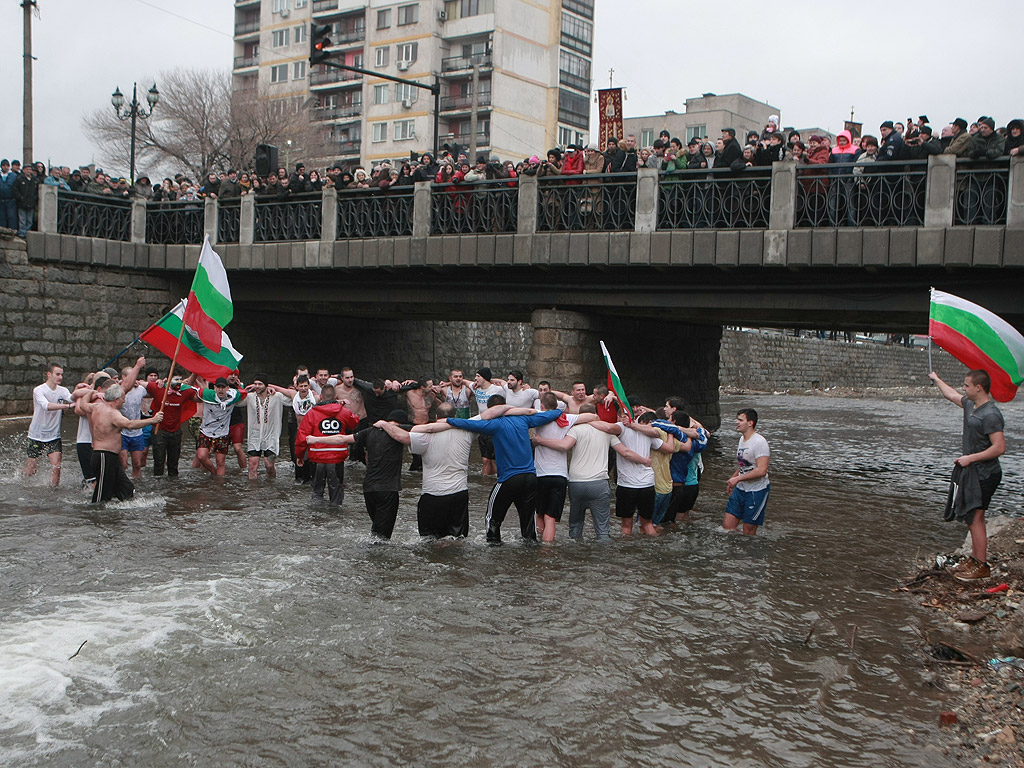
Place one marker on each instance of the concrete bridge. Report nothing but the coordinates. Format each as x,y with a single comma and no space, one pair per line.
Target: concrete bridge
651,280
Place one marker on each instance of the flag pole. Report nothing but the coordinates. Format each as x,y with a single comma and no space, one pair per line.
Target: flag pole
138,338
931,291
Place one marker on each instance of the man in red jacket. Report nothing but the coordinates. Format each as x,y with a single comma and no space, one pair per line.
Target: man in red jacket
329,417
178,407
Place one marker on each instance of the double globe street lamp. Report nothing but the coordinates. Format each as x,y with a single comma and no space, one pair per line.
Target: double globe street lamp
133,112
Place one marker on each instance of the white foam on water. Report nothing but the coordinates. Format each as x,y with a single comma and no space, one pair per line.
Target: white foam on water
50,699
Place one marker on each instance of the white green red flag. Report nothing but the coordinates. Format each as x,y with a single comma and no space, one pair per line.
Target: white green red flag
615,383
193,355
978,339
209,301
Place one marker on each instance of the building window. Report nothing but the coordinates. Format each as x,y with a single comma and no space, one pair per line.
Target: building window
381,93
384,18
280,38
696,132
281,5
406,52
405,130
300,33
457,9
380,132
646,137
577,33
299,70
408,14
279,73
582,7
382,56
574,71
357,60
405,92
574,109
301,3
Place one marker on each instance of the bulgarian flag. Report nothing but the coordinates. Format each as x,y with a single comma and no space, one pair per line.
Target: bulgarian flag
978,339
209,302
614,383
193,355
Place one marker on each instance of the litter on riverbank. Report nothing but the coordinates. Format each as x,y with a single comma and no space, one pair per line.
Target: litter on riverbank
976,655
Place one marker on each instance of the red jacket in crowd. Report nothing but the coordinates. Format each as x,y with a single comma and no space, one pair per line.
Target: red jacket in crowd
325,420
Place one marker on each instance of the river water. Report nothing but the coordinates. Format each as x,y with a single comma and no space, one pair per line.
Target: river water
231,623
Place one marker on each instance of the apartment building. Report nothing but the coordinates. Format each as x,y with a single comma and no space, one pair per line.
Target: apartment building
530,61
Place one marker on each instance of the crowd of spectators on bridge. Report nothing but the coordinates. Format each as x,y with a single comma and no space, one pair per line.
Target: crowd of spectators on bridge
897,141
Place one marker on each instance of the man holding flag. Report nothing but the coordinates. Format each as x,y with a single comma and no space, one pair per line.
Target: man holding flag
994,350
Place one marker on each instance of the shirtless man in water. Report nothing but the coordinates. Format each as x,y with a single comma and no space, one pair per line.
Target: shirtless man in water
106,422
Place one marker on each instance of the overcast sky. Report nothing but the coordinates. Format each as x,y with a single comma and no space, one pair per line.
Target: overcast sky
811,60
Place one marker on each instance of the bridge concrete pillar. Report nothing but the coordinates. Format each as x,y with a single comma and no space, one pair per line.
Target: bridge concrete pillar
421,209
564,348
329,216
138,232
940,191
1015,194
527,205
211,213
782,215
247,220
646,220
47,208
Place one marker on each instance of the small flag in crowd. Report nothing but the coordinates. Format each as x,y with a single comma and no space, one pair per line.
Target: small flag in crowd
614,383
193,354
209,302
978,339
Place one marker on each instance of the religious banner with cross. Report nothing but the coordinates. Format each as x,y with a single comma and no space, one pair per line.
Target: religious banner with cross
610,105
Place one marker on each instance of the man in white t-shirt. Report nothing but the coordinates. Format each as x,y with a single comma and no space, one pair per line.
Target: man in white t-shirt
49,400
634,485
517,394
133,441
483,390
443,509
265,409
748,487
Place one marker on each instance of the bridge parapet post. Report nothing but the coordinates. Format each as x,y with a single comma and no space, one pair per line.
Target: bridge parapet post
137,233
940,191
527,222
211,212
646,220
47,208
560,346
421,202
247,220
329,216
783,208
1015,194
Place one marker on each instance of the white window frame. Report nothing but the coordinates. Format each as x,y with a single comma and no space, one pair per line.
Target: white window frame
410,51
384,15
279,73
406,92
300,4
280,38
405,11
299,70
404,130
301,33
281,5
381,93
383,56
380,132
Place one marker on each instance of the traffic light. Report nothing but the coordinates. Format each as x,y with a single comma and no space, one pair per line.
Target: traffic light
319,42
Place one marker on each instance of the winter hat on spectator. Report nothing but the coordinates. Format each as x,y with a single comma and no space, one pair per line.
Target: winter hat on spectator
1015,123
774,119
534,159
814,137
887,124
593,147
300,166
693,141
988,121
923,118
926,129
485,373
961,123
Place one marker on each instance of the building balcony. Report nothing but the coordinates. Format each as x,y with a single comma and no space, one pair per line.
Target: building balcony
247,3
575,82
247,28
340,114
465,103
349,147
334,77
462,63
244,62
483,139
324,6
347,37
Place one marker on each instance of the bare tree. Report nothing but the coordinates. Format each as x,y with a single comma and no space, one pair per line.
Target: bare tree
200,125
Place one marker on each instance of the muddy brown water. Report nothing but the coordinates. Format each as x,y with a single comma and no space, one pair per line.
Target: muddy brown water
231,623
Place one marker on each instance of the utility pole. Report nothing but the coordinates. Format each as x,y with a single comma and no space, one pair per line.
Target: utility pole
27,151
475,104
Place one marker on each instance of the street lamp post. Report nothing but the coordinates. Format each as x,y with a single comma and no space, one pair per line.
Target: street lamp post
133,112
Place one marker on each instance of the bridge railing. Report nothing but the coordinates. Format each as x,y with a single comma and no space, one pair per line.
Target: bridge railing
939,192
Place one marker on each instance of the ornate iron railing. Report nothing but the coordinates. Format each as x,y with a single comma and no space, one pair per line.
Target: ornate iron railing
375,213
586,203
981,192
174,223
879,194
716,199
474,207
229,219
103,216
297,218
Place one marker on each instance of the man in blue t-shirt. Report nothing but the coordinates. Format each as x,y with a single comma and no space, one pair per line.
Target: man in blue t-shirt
517,478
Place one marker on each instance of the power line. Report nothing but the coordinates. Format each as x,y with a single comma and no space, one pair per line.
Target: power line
184,18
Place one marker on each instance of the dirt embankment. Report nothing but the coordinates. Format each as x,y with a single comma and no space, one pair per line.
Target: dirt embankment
976,655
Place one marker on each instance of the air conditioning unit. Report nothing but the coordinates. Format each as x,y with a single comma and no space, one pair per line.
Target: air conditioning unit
402,66
442,16
285,13
407,103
